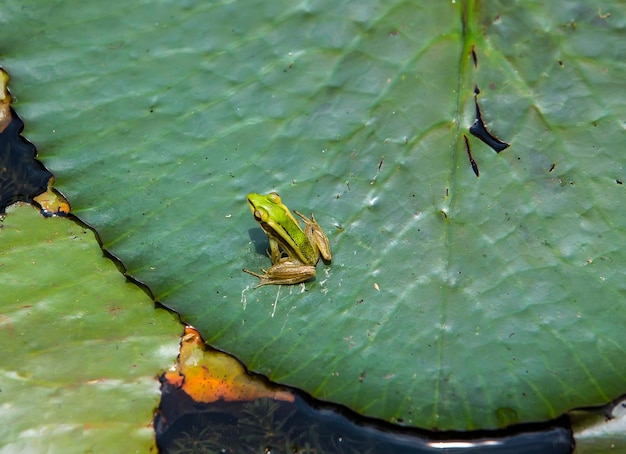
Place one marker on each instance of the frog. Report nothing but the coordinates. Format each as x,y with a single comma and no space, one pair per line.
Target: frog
294,252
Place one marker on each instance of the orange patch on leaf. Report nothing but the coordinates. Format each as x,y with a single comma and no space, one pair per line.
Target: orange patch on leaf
208,375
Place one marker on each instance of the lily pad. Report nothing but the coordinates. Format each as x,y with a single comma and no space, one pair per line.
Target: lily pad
81,347
453,302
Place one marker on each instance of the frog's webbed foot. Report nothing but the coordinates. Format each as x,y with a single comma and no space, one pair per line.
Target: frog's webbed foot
264,278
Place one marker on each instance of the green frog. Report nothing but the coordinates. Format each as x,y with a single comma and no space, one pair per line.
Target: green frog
294,252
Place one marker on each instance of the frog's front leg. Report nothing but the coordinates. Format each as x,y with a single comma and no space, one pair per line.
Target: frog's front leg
274,252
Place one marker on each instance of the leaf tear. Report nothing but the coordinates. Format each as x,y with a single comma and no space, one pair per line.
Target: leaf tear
479,130
471,158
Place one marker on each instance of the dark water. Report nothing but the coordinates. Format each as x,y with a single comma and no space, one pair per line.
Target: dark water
22,176
270,426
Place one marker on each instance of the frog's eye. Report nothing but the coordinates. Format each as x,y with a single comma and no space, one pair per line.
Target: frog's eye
257,215
274,197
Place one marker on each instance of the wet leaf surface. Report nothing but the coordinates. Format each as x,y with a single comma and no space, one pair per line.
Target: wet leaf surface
452,302
80,345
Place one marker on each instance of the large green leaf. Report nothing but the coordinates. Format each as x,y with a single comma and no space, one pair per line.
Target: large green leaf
81,347
452,301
